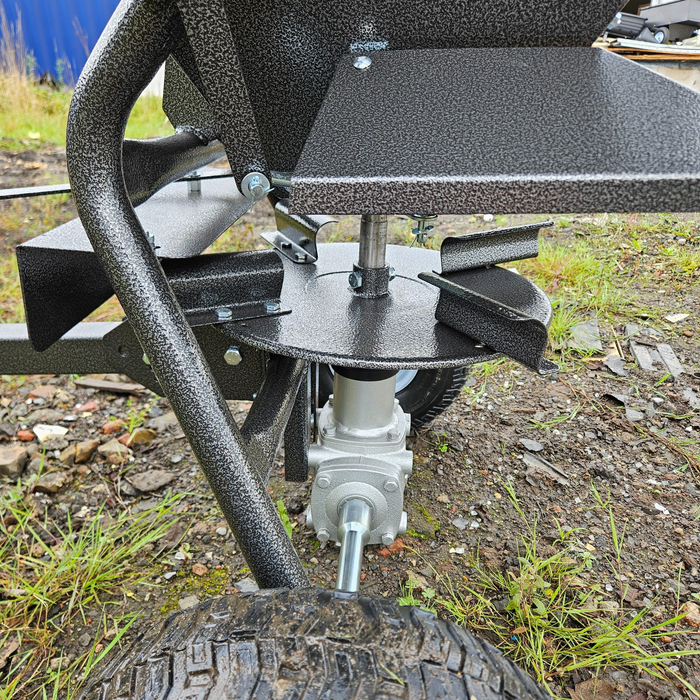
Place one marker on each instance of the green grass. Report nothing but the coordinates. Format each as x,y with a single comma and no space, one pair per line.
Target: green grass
52,575
33,117
553,622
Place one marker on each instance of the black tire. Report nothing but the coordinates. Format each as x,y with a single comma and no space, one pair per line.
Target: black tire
309,643
427,395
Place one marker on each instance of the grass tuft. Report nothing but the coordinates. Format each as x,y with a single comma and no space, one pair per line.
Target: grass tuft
52,575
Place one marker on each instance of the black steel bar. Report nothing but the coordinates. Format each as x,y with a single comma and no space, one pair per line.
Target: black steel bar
269,414
44,190
296,434
137,40
81,351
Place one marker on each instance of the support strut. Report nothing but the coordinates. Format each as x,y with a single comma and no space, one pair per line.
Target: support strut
140,36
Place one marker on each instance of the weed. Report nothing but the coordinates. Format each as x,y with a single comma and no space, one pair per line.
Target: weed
553,623
284,517
546,425
53,573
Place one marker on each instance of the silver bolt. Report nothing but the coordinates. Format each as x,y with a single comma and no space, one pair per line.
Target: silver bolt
300,257
272,307
309,519
392,273
390,485
233,356
223,314
145,359
329,430
330,400
256,187
323,482
355,280
362,62
392,434
387,539
323,535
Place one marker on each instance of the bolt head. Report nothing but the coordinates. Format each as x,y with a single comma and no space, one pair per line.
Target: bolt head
387,539
300,257
392,273
255,186
329,430
392,434
233,356
390,485
355,280
323,535
362,62
323,482
224,314
272,307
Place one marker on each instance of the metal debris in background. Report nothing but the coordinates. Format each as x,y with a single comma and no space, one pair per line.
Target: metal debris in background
586,336
295,236
650,354
497,307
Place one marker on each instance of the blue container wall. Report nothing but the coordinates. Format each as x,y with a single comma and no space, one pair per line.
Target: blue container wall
52,30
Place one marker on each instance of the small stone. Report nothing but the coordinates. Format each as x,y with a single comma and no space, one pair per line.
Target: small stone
84,450
55,663
461,523
442,498
692,614
25,435
676,318
84,640
126,489
12,460
246,585
221,531
43,415
633,416
45,432
163,423
113,447
7,430
188,602
176,459
42,392
50,483
88,407
199,570
151,480
531,445
113,426
170,575
688,334
142,436
35,465
68,455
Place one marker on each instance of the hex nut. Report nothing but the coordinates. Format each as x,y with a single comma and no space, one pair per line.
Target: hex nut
387,539
355,280
362,62
323,482
390,485
272,307
233,356
223,313
323,535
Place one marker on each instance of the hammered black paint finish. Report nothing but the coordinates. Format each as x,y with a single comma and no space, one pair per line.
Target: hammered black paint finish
486,248
81,351
503,130
331,325
498,308
297,435
288,50
126,356
135,43
63,280
219,67
270,412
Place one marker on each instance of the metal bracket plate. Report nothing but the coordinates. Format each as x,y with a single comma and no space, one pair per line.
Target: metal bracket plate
295,236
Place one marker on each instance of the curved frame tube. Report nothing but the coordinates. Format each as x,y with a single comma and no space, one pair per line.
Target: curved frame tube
137,40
